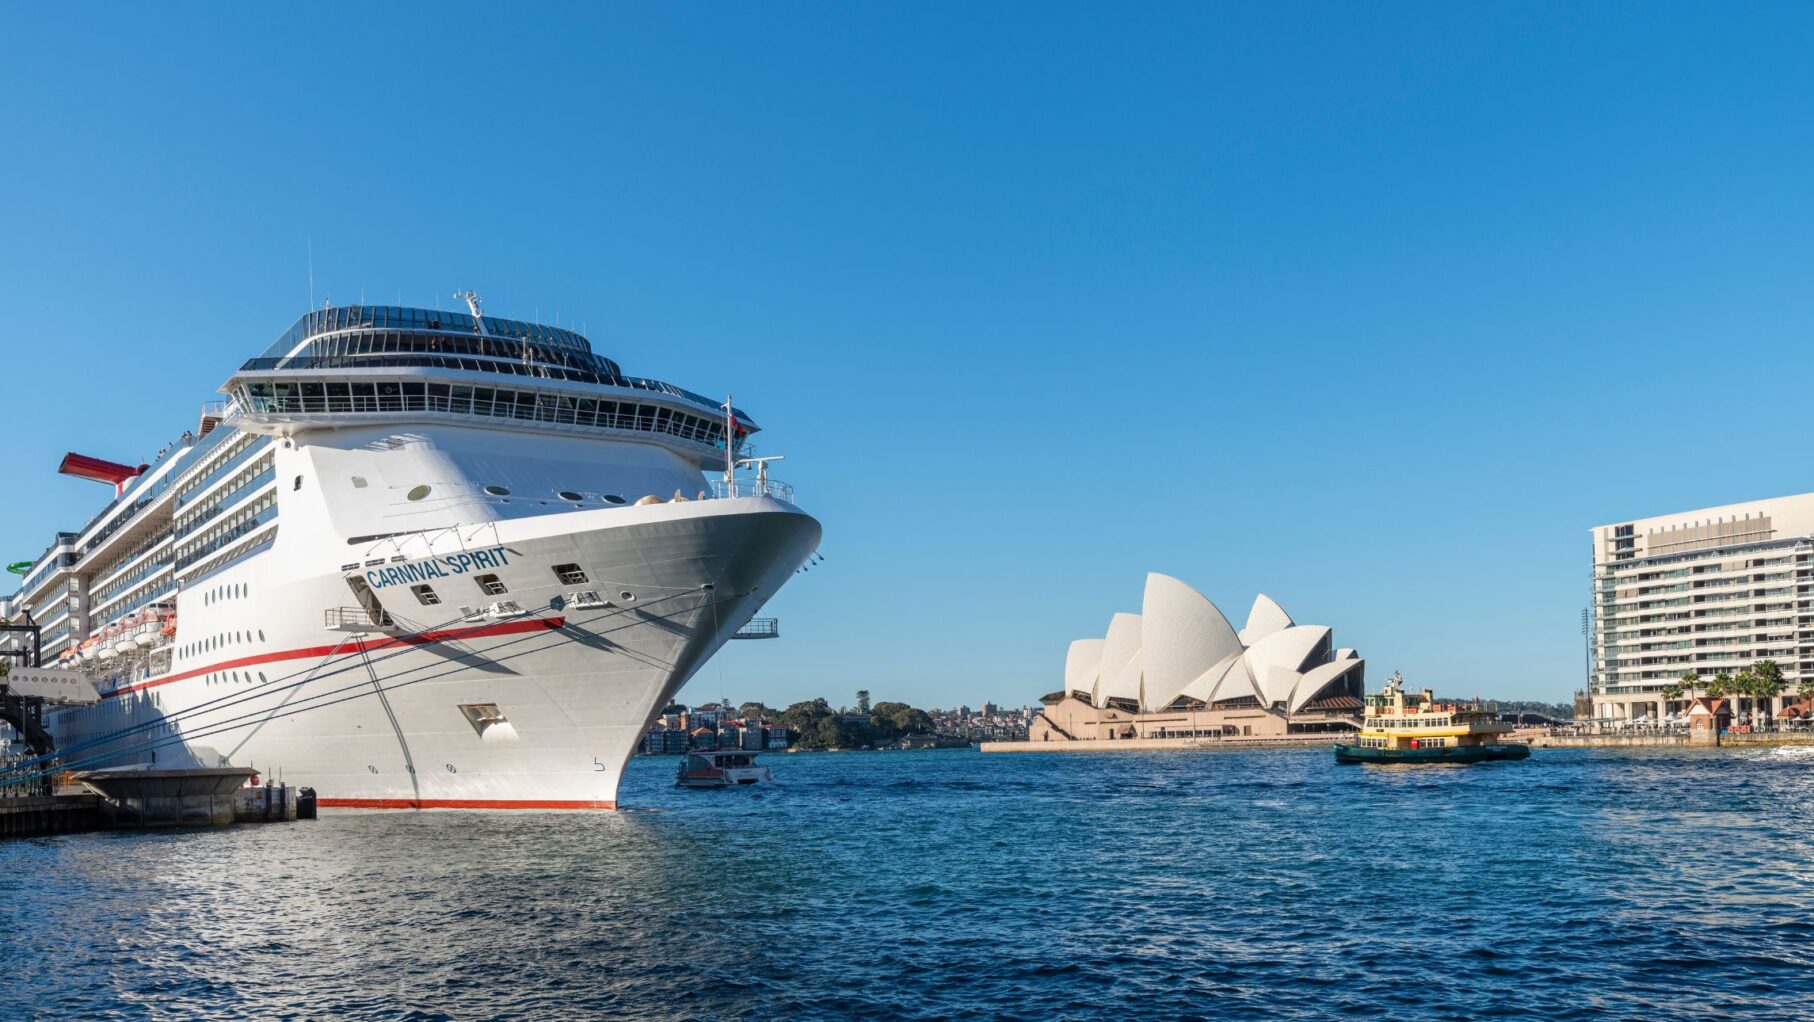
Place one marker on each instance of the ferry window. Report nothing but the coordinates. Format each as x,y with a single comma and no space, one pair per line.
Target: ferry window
358,482
498,491
490,586
418,493
570,574
570,495
425,595
297,485
612,498
460,400
339,390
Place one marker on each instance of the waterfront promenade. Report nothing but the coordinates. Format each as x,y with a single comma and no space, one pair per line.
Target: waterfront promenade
1150,744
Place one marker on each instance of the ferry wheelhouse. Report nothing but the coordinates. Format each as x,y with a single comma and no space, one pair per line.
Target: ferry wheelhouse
722,768
1400,727
416,558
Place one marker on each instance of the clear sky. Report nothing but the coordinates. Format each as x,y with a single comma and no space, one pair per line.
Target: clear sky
1376,308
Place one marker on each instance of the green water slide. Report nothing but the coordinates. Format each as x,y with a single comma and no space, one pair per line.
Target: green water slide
19,567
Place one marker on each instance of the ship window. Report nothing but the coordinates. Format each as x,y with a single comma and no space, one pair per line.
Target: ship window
297,485
612,498
417,493
570,495
358,482
425,595
490,586
627,596
570,574
498,491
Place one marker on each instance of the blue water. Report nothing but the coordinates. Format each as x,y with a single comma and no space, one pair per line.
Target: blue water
952,885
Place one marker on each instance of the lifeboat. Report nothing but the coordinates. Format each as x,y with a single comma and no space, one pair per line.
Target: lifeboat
107,652
146,635
87,649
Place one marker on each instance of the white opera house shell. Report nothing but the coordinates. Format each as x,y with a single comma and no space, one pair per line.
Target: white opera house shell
1178,669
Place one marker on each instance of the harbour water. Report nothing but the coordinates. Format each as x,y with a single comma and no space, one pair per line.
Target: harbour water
1639,884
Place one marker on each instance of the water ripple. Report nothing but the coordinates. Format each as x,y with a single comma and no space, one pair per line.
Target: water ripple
950,885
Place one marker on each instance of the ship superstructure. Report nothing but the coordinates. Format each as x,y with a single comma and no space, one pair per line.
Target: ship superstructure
415,558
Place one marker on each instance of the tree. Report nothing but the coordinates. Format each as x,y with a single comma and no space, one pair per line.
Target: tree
803,719
1768,682
1671,693
757,711
1720,686
1806,690
892,720
863,701
1689,682
1744,685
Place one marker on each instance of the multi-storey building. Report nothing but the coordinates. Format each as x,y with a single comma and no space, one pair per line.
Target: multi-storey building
1709,592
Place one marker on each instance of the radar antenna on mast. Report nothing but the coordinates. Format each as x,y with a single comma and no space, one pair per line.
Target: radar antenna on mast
475,306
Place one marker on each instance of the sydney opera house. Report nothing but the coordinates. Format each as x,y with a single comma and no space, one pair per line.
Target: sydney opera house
1178,669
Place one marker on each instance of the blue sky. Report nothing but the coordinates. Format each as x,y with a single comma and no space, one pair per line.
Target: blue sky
1376,308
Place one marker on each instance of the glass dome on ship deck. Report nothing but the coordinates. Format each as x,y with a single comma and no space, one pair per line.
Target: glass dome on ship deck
380,335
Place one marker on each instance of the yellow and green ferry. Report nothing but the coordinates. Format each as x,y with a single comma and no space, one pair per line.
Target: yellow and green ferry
1400,727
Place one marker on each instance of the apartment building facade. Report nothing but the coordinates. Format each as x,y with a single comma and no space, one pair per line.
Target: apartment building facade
1710,591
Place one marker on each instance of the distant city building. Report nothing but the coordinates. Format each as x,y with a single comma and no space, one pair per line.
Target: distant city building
679,730
1178,669
1710,591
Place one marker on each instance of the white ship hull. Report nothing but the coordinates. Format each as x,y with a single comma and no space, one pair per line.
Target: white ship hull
374,719
417,559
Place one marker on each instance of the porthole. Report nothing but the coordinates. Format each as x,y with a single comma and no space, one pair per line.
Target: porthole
373,769
627,596
418,492
612,498
498,491
450,769
358,482
570,495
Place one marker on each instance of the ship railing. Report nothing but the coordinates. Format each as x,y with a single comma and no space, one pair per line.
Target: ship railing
753,488
561,412
358,619
759,628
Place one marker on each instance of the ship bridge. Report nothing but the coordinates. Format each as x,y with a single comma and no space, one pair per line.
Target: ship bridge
362,363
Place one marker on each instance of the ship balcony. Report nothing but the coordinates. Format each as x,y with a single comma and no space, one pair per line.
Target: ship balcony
760,628
269,407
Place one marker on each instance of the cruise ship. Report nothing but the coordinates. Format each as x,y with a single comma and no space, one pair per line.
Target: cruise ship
416,559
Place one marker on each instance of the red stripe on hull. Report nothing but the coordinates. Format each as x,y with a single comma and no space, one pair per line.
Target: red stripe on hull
458,803
419,639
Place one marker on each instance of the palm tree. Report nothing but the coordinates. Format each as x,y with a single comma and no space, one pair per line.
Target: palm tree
1720,686
1671,692
1744,686
1770,683
1690,681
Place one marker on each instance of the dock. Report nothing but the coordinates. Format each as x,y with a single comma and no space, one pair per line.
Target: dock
154,799
1153,744
41,815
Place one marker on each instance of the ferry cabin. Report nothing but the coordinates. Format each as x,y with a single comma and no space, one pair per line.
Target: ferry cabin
1397,720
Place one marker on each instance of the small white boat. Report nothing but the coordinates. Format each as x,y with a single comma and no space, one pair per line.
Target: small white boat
720,769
